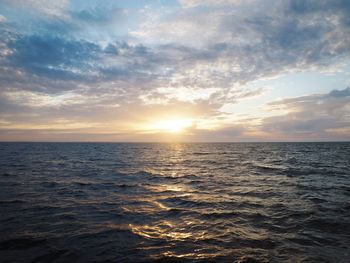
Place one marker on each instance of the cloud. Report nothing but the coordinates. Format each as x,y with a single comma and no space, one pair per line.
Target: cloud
312,116
340,93
224,46
195,3
56,7
251,40
99,15
80,63
53,56
2,18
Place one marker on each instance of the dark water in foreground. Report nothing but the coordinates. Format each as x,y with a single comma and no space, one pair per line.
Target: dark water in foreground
251,202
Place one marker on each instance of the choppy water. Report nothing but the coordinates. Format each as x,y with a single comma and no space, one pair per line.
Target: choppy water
249,202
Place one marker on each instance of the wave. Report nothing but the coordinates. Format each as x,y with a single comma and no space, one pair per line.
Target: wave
149,203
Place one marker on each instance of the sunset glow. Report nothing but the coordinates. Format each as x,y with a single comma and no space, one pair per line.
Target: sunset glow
225,70
184,131
171,125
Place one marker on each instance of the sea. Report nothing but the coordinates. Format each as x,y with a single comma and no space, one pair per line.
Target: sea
175,202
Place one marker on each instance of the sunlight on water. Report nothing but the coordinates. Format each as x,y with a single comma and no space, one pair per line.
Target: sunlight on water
190,202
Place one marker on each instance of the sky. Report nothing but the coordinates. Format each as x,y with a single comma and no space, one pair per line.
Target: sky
175,70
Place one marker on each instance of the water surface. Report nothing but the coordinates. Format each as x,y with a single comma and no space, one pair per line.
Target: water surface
249,202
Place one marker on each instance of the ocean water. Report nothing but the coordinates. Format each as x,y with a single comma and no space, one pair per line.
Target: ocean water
224,202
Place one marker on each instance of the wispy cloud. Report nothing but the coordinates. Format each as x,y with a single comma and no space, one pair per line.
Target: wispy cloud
312,117
91,63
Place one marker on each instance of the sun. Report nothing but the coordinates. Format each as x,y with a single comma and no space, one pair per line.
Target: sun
172,125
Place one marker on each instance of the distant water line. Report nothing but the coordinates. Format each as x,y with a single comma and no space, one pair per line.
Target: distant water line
157,202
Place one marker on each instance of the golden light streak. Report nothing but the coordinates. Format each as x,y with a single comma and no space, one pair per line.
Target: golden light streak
176,125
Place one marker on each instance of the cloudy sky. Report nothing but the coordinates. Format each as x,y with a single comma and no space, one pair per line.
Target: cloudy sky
164,70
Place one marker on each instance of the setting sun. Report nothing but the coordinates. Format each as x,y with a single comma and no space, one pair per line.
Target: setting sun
174,131
172,125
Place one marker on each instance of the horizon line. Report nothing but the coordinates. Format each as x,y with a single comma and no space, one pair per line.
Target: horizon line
167,142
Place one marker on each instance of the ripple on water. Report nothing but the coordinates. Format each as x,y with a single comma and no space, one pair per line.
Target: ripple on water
254,202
